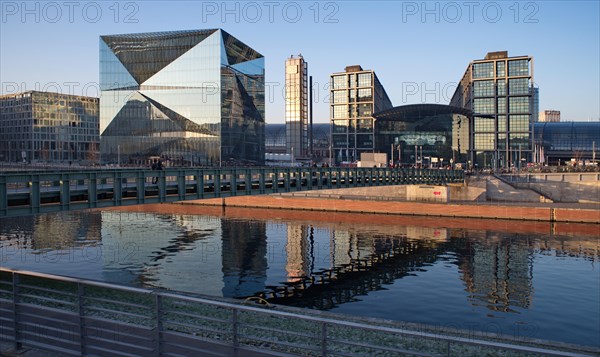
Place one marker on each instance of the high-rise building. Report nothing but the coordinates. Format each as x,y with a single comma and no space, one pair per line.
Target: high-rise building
48,127
498,89
550,116
190,97
355,95
296,106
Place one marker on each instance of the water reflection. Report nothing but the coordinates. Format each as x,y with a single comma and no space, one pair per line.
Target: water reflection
370,265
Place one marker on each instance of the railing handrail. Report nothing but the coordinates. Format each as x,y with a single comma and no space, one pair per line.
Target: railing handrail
320,320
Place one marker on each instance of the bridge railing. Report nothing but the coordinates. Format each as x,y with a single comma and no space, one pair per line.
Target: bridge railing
81,317
37,192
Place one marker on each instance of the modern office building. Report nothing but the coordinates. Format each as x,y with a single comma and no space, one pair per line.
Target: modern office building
355,95
424,134
193,97
498,89
49,127
535,103
550,116
296,106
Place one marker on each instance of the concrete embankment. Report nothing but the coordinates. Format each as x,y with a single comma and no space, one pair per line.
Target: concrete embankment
511,211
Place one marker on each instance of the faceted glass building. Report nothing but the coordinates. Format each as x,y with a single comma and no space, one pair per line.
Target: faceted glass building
423,134
498,89
48,127
188,97
355,95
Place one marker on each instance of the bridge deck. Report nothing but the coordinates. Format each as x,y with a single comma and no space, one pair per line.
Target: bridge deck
34,192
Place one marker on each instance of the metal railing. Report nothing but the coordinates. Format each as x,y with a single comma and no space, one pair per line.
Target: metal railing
38,192
80,317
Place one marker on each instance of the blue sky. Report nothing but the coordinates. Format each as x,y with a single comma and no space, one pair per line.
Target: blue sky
418,49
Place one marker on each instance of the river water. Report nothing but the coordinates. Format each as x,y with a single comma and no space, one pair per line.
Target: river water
525,279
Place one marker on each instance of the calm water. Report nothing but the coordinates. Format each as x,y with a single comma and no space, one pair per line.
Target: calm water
539,285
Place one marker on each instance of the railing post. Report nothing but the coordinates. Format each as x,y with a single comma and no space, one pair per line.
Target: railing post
234,328
159,327
117,188
200,184
65,192
324,339
80,305
261,180
140,187
15,289
35,197
92,190
181,191
248,178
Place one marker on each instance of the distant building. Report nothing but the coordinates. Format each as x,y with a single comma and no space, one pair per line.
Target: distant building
296,106
567,140
550,116
49,127
275,143
423,134
192,97
498,89
355,95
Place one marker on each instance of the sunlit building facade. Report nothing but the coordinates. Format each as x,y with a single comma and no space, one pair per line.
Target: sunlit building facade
193,97
424,134
296,106
498,89
49,127
355,95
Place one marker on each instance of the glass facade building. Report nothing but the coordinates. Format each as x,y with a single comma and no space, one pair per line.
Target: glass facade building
296,106
567,140
499,91
190,97
424,134
354,96
49,127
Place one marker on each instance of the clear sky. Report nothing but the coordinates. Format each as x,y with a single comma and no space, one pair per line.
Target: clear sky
418,49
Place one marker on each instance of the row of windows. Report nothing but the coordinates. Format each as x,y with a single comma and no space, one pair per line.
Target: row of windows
360,141
353,95
493,106
516,123
351,111
515,141
515,68
516,86
351,81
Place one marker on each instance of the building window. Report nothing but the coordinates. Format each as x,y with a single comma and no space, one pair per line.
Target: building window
501,108
365,95
339,82
518,68
500,69
502,123
518,105
484,142
518,86
364,80
340,126
340,96
483,70
339,111
484,124
519,123
483,106
483,88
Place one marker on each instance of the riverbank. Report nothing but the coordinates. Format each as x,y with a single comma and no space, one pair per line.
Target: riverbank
549,212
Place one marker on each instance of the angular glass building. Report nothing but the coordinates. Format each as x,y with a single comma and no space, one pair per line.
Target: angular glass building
188,97
424,134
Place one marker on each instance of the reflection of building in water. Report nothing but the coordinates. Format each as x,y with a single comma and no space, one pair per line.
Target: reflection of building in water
176,252
297,252
53,232
498,272
244,257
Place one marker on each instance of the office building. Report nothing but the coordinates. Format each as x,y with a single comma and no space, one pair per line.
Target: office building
188,97
535,103
498,89
424,135
296,106
550,116
355,95
48,127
